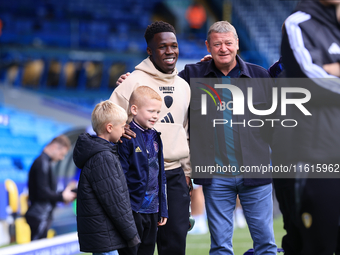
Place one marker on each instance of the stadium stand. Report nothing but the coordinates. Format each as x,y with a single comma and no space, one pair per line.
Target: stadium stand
70,53
261,21
22,140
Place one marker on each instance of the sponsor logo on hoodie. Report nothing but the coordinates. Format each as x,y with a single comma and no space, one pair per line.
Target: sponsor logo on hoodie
167,89
168,118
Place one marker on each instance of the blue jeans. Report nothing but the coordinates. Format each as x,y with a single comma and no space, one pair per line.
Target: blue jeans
106,253
257,204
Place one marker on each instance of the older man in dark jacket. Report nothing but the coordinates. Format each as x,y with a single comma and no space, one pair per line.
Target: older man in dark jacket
234,147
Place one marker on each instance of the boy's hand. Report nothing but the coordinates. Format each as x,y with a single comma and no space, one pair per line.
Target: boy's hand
128,133
162,222
122,78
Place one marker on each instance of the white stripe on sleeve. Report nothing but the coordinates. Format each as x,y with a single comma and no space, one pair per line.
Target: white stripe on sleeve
303,56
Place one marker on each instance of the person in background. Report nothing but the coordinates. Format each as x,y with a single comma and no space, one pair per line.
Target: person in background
239,220
198,211
104,217
42,187
196,17
310,49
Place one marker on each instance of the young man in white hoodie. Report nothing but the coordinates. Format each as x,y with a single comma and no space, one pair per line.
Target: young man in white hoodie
159,72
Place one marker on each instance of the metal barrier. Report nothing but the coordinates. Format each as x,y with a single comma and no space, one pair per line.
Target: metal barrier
61,245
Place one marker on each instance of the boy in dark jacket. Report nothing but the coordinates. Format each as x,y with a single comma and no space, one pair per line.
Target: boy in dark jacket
143,165
104,217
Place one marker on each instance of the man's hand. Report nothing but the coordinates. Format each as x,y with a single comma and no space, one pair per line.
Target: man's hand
68,194
162,222
189,183
128,133
206,58
333,69
122,78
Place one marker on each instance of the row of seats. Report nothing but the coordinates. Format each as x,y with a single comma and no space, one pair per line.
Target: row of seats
120,26
23,137
94,8
91,35
81,70
76,23
262,21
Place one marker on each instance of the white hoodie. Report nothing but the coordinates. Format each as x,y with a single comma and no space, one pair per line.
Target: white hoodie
173,121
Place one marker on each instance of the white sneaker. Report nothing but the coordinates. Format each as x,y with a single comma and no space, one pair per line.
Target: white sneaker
239,218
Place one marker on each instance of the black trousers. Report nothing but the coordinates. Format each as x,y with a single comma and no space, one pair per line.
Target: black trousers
147,230
38,227
171,238
285,195
319,217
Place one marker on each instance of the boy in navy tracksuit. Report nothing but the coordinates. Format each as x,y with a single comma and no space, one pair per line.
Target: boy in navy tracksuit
143,164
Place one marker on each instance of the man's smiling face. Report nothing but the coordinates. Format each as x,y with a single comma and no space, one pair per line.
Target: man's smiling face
163,51
223,48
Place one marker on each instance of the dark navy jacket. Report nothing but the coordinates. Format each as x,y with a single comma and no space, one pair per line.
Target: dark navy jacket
135,165
255,151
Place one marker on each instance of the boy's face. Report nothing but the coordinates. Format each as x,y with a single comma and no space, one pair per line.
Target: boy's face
147,114
163,51
116,131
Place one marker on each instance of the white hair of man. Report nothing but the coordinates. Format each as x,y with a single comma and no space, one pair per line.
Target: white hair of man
222,27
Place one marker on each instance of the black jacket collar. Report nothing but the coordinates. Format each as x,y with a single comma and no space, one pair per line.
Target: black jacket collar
211,68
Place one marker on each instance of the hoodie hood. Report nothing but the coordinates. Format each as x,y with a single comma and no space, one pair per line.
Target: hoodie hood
87,146
326,15
148,67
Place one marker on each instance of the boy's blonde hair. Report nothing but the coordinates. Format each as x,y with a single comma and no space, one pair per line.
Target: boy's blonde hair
142,93
107,112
